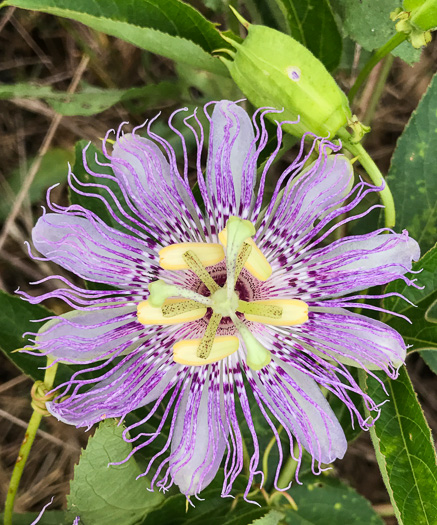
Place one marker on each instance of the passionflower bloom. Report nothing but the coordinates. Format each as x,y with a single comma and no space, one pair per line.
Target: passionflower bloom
214,301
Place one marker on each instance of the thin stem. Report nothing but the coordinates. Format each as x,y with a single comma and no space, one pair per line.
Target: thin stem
26,445
23,454
288,472
375,175
387,48
267,453
378,90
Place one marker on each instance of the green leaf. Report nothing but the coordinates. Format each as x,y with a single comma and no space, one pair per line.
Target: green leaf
53,517
273,517
167,27
92,100
430,358
211,508
267,14
15,319
324,500
420,334
109,495
413,172
368,23
312,23
53,169
404,450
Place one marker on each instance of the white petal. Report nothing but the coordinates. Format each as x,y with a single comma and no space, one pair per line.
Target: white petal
356,263
206,453
85,336
355,339
398,250
231,145
94,252
146,174
314,424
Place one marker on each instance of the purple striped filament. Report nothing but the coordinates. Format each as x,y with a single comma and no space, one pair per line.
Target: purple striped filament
241,333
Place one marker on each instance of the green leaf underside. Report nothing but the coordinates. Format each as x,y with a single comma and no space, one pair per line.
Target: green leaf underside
312,23
413,172
421,334
15,319
166,27
109,495
368,23
324,499
92,100
404,450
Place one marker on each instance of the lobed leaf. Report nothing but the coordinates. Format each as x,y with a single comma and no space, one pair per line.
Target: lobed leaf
169,28
413,172
273,517
369,24
105,494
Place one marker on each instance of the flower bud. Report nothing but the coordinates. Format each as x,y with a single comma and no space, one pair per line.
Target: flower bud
274,70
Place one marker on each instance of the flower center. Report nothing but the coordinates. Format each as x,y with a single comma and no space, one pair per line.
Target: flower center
223,304
172,304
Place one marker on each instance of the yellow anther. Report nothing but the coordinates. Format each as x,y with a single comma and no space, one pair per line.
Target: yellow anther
196,266
256,263
150,315
172,256
185,351
208,338
294,311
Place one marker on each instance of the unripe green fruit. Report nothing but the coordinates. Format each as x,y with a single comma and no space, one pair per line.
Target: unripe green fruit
274,70
425,16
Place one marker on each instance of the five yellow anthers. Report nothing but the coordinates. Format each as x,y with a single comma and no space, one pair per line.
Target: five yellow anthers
170,304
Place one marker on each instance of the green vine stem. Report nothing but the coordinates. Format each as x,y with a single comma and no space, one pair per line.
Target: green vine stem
26,445
287,473
387,48
374,173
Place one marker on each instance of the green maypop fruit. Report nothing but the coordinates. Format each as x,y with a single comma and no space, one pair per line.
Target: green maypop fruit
425,16
274,70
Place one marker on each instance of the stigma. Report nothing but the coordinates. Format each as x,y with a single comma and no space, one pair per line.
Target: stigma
171,304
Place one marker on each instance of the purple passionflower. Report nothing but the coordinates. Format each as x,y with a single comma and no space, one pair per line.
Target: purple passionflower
213,297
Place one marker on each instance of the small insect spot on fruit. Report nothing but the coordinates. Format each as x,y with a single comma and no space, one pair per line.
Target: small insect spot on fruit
294,73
